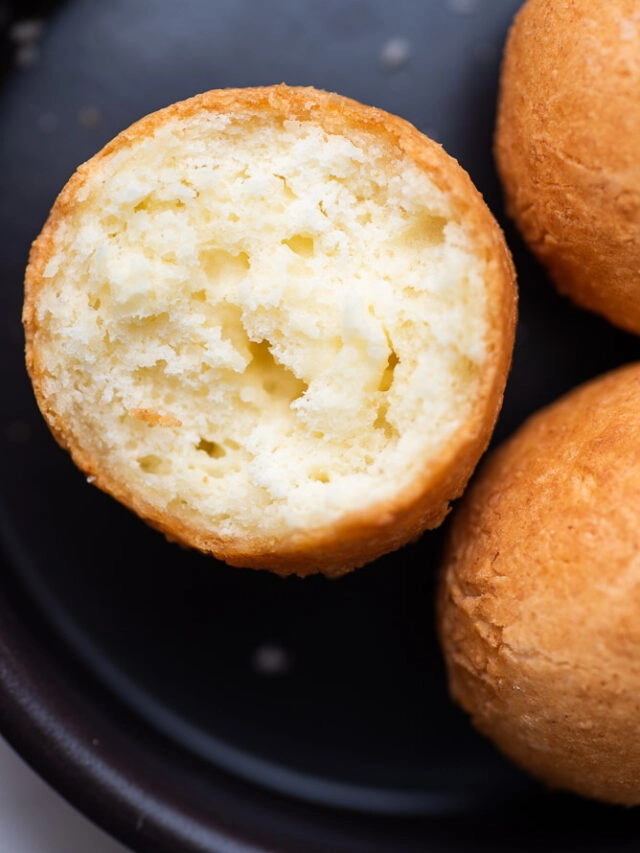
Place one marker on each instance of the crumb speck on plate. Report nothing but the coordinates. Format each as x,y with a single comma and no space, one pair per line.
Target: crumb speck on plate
25,35
462,7
27,30
395,53
89,117
48,122
271,659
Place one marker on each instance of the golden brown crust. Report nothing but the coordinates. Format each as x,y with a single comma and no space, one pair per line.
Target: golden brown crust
566,146
539,598
360,536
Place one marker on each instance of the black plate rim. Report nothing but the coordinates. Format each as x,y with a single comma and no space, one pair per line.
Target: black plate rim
47,718
152,795
144,790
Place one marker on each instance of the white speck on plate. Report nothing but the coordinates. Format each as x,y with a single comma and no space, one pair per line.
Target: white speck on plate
272,659
48,122
462,7
89,117
26,30
395,53
25,35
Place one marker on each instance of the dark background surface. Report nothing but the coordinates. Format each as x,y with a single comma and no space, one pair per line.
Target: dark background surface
135,674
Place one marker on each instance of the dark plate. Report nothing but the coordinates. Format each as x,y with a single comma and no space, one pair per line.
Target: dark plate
184,705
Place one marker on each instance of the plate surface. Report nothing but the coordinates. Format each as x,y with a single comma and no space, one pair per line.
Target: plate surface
185,705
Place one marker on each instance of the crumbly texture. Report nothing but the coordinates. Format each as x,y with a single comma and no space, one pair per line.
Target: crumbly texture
539,598
566,146
275,323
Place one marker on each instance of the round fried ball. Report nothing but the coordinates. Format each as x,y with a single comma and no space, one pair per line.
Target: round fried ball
567,147
539,598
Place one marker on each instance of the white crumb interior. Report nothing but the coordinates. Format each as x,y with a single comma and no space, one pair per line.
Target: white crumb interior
261,326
